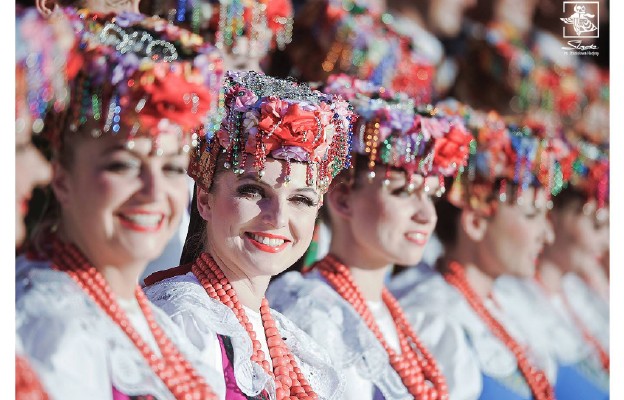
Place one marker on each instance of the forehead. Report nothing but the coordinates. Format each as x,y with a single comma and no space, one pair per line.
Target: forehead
275,174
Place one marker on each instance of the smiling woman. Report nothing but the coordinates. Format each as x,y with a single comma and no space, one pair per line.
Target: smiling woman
118,191
259,182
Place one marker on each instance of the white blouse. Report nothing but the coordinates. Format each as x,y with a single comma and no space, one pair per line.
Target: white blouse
76,349
317,309
424,293
202,318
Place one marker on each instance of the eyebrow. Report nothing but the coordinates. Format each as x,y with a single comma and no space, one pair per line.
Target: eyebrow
254,177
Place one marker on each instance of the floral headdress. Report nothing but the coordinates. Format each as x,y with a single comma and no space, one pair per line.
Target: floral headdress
270,117
143,74
506,159
229,20
536,80
392,132
591,172
41,48
358,38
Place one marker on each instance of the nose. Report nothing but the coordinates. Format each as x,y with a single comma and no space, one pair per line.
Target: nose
424,212
549,231
274,213
152,183
44,171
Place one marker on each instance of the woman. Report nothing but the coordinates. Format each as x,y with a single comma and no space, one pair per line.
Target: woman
48,44
119,157
381,214
571,321
494,223
260,182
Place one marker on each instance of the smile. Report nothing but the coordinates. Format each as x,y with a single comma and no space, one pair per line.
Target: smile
267,242
142,222
419,238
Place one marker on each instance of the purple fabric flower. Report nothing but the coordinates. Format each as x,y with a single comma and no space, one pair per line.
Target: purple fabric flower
127,19
290,152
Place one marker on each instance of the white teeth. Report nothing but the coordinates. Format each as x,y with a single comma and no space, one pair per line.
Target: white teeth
417,236
144,219
267,241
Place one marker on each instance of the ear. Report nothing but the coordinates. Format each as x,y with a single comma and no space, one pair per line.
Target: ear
474,224
60,183
46,7
339,200
204,203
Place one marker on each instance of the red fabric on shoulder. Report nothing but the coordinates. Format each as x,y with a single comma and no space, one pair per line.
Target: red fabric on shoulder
167,273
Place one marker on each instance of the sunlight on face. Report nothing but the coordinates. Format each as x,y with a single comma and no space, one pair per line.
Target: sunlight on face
119,204
260,226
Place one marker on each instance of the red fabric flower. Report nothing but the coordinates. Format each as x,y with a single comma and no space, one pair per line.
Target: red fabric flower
171,97
453,148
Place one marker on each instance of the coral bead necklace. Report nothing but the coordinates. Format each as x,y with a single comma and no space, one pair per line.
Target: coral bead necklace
415,365
27,385
290,383
535,378
172,368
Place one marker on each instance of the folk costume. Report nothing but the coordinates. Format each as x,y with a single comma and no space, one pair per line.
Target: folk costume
136,77
381,354
262,354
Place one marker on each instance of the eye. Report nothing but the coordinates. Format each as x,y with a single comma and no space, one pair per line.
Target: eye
122,166
304,200
250,191
174,169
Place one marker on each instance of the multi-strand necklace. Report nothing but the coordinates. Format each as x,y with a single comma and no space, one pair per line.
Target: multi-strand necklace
415,365
289,380
172,368
535,378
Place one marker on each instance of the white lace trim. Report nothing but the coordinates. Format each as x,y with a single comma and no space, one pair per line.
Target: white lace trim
431,294
185,300
317,309
77,350
588,307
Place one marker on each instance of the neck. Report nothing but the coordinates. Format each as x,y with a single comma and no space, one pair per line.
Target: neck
250,290
550,276
122,279
367,272
480,282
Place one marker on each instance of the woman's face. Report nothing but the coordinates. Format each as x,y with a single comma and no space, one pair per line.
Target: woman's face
581,235
31,170
121,204
515,236
390,224
259,226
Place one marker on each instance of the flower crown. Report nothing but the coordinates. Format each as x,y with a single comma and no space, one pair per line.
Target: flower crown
361,41
41,73
282,119
591,172
234,19
392,132
143,74
506,155
535,79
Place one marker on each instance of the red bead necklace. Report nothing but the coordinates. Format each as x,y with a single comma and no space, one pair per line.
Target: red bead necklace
172,368
415,365
27,385
535,378
290,383
605,360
